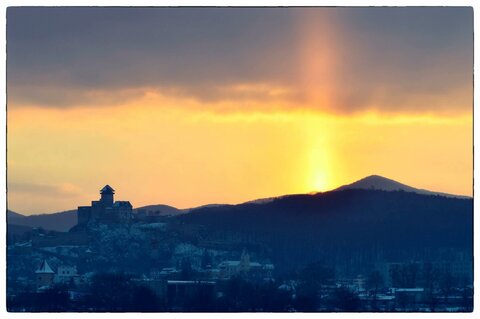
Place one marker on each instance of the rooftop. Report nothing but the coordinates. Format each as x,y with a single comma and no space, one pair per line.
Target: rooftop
107,190
44,268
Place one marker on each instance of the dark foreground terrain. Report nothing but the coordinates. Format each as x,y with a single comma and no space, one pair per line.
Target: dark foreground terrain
348,250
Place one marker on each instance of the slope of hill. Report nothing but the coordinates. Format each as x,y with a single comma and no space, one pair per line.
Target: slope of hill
166,210
382,183
62,221
340,224
186,210
160,210
14,218
17,233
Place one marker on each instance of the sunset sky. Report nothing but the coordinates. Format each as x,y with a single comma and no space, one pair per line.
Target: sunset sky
185,107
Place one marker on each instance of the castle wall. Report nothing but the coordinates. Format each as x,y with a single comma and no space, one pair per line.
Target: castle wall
84,214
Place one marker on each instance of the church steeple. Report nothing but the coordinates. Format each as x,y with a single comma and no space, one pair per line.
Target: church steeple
44,275
44,268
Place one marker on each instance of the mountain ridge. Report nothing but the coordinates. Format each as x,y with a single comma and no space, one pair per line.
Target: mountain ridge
400,224
63,221
378,182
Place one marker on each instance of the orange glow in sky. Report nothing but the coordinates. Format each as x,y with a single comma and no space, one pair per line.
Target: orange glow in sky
185,158
242,117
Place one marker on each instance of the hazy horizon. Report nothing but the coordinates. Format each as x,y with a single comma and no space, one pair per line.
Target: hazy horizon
94,197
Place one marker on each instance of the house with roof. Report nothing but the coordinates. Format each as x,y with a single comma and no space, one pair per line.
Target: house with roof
67,274
44,275
105,210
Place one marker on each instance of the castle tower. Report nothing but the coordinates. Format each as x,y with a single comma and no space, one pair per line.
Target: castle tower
107,196
44,275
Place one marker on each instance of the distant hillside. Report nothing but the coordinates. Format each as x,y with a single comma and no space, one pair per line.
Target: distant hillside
62,221
186,210
386,184
14,218
160,210
352,222
18,230
18,233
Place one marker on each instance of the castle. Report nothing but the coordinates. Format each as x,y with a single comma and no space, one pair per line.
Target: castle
105,210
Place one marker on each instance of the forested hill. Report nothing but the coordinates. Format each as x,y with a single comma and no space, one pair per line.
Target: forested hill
396,224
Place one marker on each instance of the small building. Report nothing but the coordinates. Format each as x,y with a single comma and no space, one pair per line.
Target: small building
67,274
245,268
356,284
44,275
165,273
360,283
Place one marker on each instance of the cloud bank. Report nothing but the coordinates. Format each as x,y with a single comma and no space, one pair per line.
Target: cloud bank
338,60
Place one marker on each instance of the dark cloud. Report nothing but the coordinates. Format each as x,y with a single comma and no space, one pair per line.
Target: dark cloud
388,57
406,56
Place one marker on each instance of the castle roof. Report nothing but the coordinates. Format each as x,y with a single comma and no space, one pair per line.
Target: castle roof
44,268
107,190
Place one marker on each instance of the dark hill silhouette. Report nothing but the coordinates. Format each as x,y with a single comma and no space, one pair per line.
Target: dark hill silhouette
167,210
18,233
14,218
61,221
337,224
162,210
64,221
382,183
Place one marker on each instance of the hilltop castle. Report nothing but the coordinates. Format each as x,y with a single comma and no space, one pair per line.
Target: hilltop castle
106,209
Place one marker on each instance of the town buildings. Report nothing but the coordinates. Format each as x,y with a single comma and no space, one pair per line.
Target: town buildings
245,268
46,277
